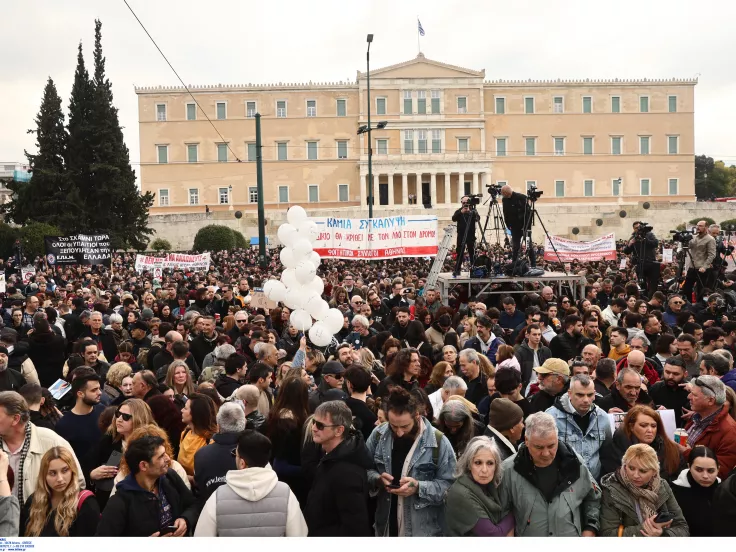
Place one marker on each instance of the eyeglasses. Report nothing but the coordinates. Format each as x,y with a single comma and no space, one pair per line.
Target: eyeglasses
699,383
240,321
357,302
123,415
678,302
336,376
565,300
320,426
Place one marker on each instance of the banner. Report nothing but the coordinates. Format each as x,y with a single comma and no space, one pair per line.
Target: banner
145,263
599,249
82,249
378,238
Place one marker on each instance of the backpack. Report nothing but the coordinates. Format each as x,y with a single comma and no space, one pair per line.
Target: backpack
84,495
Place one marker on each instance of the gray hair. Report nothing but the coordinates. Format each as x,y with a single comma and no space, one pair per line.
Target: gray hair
223,351
583,379
257,347
339,413
640,335
624,371
454,411
714,226
14,404
540,424
470,355
231,418
474,446
454,382
446,347
115,318
711,386
360,319
265,350
726,354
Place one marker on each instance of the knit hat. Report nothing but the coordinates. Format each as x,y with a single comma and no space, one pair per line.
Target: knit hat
553,366
504,414
146,314
4,350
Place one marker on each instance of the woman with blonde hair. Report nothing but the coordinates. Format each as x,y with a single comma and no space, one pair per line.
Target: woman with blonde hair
339,297
179,378
469,330
114,381
59,507
486,367
635,495
441,371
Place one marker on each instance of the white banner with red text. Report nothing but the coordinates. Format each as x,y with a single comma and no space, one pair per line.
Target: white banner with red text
182,261
599,249
377,238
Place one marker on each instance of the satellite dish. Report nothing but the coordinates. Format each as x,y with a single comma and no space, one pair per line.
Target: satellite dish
622,214
576,230
646,205
238,214
599,222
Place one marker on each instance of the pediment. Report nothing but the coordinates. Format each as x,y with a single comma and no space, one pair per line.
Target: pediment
423,68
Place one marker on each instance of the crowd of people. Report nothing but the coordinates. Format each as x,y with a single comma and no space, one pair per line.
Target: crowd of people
133,405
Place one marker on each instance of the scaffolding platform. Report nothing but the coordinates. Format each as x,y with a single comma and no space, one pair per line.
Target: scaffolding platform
446,281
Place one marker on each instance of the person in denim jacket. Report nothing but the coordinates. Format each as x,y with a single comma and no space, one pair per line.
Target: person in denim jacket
413,465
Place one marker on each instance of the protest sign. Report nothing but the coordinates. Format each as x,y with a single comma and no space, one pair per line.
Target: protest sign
258,300
82,249
181,261
599,249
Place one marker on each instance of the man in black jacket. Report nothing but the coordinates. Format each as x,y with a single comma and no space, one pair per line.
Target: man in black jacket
235,370
517,214
553,378
466,218
668,393
642,246
337,505
204,343
531,353
625,393
569,343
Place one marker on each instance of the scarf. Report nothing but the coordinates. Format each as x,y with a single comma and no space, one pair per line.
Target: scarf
700,425
645,497
23,454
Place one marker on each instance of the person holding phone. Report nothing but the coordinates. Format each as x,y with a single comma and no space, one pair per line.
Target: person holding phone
637,501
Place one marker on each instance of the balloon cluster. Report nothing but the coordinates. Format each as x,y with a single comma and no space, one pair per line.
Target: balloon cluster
300,288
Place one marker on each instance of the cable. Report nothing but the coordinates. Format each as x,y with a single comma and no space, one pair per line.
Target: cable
180,79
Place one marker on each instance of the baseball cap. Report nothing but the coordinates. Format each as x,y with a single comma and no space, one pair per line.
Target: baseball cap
333,367
553,366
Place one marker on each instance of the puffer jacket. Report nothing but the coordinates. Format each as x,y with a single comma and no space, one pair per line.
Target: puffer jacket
575,503
619,508
588,445
423,512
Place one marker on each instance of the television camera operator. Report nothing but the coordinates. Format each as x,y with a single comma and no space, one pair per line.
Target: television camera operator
642,246
702,255
720,262
517,215
466,218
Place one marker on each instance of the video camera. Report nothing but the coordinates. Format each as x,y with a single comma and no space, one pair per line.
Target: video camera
644,228
474,200
682,236
494,189
532,193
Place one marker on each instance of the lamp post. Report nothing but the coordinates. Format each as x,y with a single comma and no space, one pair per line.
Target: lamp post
370,144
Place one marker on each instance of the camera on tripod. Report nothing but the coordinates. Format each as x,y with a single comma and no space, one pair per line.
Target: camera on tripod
494,189
532,193
681,236
474,200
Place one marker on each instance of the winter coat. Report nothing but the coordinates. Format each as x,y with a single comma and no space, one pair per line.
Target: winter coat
724,508
696,503
98,455
720,437
337,505
85,524
468,502
649,371
674,398
226,385
474,343
566,347
134,512
619,508
505,447
588,444
525,356
200,346
730,379
212,462
47,352
436,337
9,516
615,400
613,451
575,503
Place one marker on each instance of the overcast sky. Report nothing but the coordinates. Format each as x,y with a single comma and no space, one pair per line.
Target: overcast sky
239,41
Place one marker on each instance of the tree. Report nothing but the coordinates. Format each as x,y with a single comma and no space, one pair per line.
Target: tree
32,237
240,242
707,220
160,244
214,237
8,235
713,178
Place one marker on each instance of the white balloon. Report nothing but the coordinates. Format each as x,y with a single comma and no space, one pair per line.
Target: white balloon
287,257
301,319
315,258
302,249
305,272
296,214
274,290
288,277
316,285
320,334
287,234
333,320
308,230
317,307
294,298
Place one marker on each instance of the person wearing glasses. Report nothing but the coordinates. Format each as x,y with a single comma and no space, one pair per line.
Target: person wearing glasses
674,308
710,424
333,373
362,330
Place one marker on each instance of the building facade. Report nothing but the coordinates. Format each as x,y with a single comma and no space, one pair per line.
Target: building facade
449,132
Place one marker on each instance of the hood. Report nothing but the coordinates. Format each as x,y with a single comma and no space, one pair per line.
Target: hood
130,484
510,363
252,484
351,450
562,402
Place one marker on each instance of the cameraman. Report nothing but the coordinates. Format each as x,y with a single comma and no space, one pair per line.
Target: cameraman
702,254
642,247
466,219
719,262
516,213
714,313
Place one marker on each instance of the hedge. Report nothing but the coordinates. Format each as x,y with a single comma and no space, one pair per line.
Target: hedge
214,238
160,244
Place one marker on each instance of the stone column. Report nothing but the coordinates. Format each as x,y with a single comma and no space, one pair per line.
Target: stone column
448,199
376,191
475,183
391,201
460,186
405,188
363,190
433,188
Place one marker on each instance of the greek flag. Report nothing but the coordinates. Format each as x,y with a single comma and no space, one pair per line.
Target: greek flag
421,31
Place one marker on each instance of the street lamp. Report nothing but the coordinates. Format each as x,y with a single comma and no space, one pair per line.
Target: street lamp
369,39
366,129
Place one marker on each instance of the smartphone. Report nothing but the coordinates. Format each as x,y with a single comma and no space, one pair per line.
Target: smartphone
168,529
394,484
664,517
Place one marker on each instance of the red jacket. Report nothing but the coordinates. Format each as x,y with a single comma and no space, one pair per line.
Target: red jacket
720,437
649,371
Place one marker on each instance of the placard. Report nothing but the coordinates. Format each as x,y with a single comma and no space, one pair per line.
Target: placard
599,249
182,261
258,300
667,255
26,273
82,249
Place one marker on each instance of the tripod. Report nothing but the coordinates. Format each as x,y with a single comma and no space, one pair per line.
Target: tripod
529,218
681,275
499,225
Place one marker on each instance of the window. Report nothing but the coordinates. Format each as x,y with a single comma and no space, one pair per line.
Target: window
382,146
380,106
342,149
408,141
250,109
615,104
462,104
588,145
616,145
462,145
311,108
644,186
222,153
644,104
528,105
313,193
531,146
163,154
343,192
221,110
559,146
283,194
588,188
252,152
672,186
253,194
160,112
673,143
436,141
224,196
672,104
342,107
587,104
281,109
500,147
408,108
163,197
422,137
558,103
559,188
644,145
191,112
282,151
500,106
422,102
193,196
312,151
192,153
435,101
529,184
616,187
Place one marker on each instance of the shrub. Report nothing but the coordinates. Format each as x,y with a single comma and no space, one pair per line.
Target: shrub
160,244
32,234
728,222
240,241
214,238
708,220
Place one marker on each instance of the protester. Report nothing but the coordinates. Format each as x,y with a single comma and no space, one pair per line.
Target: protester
505,426
553,378
79,425
694,490
200,416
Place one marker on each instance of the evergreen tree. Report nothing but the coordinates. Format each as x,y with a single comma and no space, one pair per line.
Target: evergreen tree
114,201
